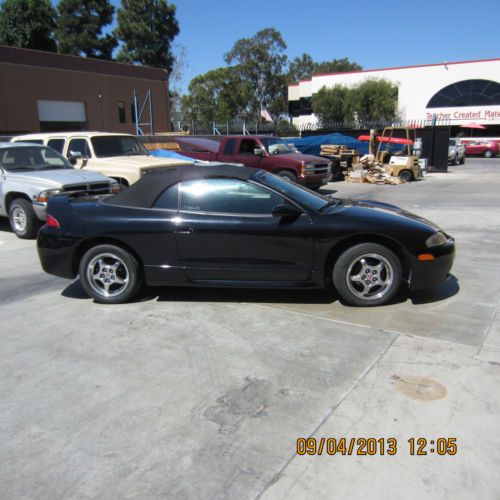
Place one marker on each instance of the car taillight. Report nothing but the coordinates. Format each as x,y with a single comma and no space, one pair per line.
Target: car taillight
52,222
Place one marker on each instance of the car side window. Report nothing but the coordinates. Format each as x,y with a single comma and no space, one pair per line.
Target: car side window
169,199
229,147
79,146
57,144
229,196
247,146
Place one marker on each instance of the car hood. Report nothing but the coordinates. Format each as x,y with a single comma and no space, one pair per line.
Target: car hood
301,157
141,162
58,177
369,209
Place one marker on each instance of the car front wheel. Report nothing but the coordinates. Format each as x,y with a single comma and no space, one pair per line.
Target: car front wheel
286,174
23,220
109,274
367,274
488,153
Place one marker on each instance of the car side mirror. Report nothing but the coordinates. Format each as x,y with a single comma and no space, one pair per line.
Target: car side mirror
74,156
258,152
285,210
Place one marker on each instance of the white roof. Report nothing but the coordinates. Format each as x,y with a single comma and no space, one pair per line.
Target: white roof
68,134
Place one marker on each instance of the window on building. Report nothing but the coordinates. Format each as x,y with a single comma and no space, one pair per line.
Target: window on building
467,93
122,115
132,113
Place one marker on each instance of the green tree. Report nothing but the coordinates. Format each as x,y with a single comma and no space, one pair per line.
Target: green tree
329,104
28,24
216,96
336,66
79,28
300,68
260,61
147,28
373,100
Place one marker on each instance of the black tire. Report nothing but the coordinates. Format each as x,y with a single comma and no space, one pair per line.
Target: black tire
286,174
462,160
349,266
127,269
488,153
23,219
455,160
406,175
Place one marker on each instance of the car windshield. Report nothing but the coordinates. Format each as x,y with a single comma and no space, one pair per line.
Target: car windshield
300,194
106,146
29,158
276,146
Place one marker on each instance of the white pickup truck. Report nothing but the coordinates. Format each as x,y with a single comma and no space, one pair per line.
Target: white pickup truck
119,156
30,174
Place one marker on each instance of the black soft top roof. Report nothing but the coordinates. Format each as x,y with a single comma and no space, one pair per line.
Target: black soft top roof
147,189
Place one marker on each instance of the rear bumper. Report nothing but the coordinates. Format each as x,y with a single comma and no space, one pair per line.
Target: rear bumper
433,273
56,253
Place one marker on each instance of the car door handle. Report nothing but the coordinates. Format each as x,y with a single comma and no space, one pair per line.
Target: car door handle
185,230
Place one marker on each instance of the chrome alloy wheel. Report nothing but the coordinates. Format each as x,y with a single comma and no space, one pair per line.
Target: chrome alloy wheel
19,219
370,276
108,275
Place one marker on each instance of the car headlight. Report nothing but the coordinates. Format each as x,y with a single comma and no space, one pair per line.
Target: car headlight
45,195
436,240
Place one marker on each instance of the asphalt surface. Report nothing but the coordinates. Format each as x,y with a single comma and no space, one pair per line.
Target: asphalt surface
198,394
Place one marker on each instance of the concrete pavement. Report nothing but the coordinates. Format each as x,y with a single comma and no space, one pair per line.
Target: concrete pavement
202,393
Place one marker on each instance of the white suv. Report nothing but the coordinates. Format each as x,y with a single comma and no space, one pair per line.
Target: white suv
119,156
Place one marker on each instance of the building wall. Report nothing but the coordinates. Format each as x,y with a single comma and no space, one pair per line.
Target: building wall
417,85
22,85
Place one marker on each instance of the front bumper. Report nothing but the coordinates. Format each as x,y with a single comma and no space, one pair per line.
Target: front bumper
40,210
315,180
435,272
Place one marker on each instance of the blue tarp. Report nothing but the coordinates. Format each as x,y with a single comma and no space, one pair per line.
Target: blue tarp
312,145
165,153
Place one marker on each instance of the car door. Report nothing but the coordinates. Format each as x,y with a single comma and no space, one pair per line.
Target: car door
245,153
226,232
79,145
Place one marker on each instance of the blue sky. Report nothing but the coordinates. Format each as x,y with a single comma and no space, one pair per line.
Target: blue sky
397,33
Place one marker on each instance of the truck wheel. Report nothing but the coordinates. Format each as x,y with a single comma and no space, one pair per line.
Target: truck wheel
367,274
406,175
23,220
286,174
109,274
488,153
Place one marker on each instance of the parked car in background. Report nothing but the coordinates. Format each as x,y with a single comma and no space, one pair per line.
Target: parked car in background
488,149
31,174
120,156
456,152
259,151
229,226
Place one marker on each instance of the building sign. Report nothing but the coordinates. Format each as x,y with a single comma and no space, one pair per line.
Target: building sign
483,113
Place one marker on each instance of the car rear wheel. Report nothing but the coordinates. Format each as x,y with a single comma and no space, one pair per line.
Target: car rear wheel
109,274
406,175
488,153
367,274
23,220
286,174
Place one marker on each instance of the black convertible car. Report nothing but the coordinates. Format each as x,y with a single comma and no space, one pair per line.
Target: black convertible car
231,226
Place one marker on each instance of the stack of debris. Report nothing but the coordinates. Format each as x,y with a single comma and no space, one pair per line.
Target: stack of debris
336,149
369,170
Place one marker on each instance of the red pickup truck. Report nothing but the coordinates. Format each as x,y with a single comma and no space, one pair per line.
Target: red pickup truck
260,151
